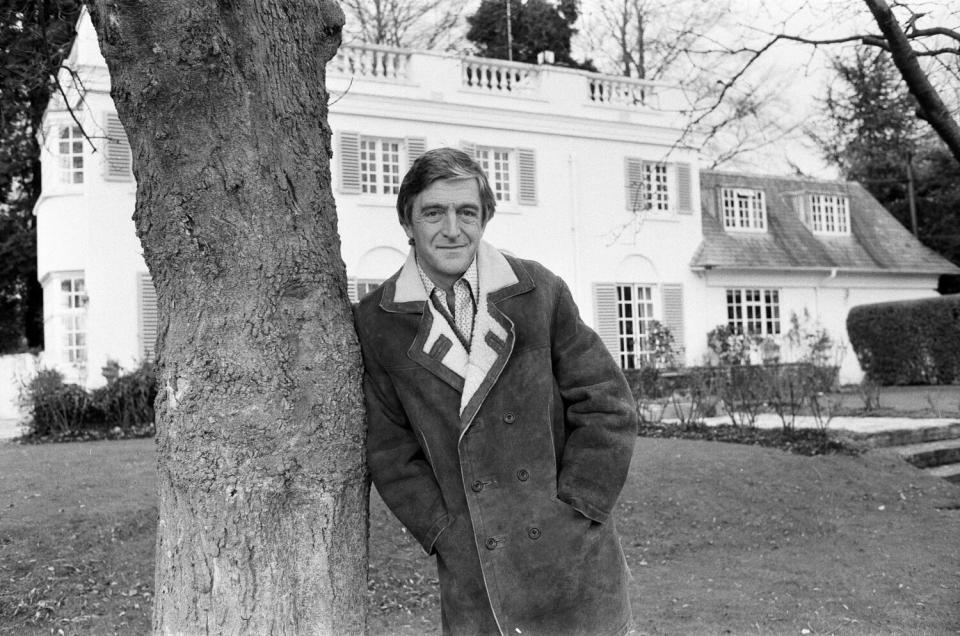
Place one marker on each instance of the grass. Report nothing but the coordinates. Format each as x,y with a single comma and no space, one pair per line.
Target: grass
721,538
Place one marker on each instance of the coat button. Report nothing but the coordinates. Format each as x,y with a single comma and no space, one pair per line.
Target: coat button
523,475
533,533
491,543
477,486
509,417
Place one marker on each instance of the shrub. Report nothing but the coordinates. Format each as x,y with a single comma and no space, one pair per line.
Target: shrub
909,342
55,407
126,400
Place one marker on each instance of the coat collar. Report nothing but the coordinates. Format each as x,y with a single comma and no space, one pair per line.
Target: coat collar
435,346
499,279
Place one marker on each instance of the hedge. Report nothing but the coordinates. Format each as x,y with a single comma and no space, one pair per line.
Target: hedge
908,342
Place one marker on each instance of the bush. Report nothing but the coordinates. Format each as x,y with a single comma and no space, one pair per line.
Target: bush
55,407
909,342
124,406
126,400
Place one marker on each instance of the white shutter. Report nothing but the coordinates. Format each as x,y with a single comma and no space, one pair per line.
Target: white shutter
416,146
527,168
673,316
684,189
605,314
633,180
352,290
117,150
469,148
349,162
147,298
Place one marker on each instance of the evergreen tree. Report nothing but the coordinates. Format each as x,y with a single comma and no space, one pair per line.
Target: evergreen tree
35,36
535,26
871,133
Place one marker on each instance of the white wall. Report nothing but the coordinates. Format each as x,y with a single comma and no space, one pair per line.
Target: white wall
16,371
828,299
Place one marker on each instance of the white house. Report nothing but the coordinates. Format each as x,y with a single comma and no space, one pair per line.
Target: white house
589,179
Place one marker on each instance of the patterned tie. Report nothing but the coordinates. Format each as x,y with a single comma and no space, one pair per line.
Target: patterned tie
463,311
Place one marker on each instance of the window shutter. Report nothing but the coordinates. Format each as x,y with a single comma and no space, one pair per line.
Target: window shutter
416,146
684,189
673,316
352,290
117,151
147,297
527,167
350,163
633,178
469,148
605,312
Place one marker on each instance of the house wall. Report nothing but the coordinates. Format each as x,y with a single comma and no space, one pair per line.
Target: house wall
827,296
581,128
86,230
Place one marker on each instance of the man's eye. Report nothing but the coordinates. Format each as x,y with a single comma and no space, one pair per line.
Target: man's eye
430,213
470,213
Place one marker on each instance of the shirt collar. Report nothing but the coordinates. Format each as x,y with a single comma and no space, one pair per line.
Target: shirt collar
471,277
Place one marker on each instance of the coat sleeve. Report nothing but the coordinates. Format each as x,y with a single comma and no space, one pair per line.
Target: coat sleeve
600,412
398,465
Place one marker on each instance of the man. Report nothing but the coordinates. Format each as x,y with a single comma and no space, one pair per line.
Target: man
500,428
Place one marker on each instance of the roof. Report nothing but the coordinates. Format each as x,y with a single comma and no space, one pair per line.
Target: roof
877,241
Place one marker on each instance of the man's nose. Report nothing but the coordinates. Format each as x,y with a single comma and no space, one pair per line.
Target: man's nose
451,225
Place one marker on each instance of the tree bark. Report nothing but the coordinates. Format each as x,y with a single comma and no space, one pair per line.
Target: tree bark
934,110
262,482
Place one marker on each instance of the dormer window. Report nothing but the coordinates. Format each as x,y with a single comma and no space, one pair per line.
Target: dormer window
743,209
829,214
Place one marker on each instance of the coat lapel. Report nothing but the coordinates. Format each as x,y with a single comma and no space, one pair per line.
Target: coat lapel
493,331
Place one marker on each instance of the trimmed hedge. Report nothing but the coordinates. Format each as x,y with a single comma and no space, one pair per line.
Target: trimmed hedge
908,342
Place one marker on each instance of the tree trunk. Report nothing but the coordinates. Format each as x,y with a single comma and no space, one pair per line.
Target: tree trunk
262,482
935,112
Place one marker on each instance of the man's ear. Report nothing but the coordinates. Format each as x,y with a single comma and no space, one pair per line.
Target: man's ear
407,229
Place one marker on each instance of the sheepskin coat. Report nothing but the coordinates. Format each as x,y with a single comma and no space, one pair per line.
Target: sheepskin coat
505,460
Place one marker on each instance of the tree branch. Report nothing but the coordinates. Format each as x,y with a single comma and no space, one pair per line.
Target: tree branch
917,81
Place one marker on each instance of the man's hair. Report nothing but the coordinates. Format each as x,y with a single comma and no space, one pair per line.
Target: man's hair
437,164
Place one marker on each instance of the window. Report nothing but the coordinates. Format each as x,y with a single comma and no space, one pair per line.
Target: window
754,312
496,163
658,187
634,315
73,301
365,286
375,165
379,165
743,209
70,149
829,214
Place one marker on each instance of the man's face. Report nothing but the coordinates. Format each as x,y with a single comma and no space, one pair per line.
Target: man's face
446,226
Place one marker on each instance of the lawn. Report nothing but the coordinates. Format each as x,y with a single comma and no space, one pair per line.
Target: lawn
721,538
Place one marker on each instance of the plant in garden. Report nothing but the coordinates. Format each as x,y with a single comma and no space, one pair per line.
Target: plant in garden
730,346
660,344
869,390
788,391
811,340
127,399
744,390
695,401
55,407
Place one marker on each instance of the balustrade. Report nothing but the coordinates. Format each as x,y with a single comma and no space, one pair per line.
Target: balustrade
499,77
372,61
619,92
